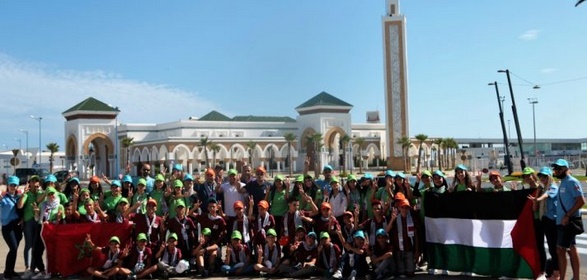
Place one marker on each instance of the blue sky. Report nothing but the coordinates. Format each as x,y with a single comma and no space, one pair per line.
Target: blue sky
161,61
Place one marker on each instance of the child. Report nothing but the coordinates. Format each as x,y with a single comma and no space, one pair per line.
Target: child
169,257
329,257
268,255
111,267
382,256
238,256
137,263
206,251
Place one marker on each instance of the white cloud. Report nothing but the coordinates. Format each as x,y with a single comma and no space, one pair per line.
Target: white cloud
530,35
38,89
548,70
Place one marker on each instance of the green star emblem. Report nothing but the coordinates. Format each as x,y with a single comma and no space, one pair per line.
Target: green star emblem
85,250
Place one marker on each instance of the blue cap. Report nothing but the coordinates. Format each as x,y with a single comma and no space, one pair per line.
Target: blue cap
368,176
312,234
438,173
127,179
359,234
380,232
401,175
13,180
188,177
389,173
461,167
177,166
327,167
51,178
560,162
74,179
545,171
115,183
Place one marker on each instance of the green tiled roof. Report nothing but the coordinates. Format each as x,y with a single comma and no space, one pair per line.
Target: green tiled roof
215,117
262,119
91,104
324,99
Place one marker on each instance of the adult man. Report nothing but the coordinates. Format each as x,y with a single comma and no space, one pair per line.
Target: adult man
570,198
145,172
257,189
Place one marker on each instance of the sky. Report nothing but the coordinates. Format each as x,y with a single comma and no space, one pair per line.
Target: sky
162,61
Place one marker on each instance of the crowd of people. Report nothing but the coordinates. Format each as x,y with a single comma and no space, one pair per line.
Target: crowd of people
242,224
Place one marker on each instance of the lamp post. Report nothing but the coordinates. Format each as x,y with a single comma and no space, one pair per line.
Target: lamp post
534,101
516,121
506,143
26,132
39,119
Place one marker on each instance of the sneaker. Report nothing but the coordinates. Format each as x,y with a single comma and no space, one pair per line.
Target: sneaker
28,274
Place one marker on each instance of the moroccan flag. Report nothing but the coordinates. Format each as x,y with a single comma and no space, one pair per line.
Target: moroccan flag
67,251
485,233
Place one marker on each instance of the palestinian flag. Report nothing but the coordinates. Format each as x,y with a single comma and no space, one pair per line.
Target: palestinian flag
67,250
485,233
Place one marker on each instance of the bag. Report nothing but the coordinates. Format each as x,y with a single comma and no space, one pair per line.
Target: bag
575,226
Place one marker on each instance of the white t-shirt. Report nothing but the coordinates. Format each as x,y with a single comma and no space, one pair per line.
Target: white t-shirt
231,195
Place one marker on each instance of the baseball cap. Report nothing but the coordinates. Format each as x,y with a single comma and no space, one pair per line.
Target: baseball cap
561,162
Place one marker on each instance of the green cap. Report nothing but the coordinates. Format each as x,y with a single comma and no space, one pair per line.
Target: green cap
177,184
180,203
206,231
123,200
300,178
142,237
528,171
324,234
279,177
351,177
114,239
172,235
334,179
142,181
426,173
51,190
159,177
271,232
232,172
236,235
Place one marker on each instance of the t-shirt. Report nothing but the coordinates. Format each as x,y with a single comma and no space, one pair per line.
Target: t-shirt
568,191
231,195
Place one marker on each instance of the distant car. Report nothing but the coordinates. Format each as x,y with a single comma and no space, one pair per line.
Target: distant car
61,175
24,174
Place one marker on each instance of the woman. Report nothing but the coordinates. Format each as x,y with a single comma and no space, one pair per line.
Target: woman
11,226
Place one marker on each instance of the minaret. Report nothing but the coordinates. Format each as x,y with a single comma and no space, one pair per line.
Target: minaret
396,82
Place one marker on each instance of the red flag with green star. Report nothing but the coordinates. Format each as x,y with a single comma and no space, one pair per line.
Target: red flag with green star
67,250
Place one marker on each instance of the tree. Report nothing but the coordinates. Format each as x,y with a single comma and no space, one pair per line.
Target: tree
438,143
126,144
251,145
290,138
215,149
421,138
405,143
53,148
344,141
204,144
360,141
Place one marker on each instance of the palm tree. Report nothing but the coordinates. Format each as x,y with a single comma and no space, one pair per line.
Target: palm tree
126,144
215,149
438,143
53,148
290,138
421,138
204,144
344,141
251,145
360,141
405,142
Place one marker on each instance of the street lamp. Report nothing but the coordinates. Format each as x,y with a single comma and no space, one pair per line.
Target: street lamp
534,101
26,132
516,121
506,143
39,119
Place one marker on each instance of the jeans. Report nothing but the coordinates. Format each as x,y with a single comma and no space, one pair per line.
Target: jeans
12,233
29,239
